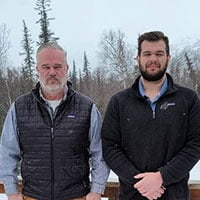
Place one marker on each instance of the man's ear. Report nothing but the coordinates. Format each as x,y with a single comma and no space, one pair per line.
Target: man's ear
137,59
37,68
67,68
169,58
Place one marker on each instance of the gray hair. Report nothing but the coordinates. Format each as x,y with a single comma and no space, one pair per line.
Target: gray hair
50,45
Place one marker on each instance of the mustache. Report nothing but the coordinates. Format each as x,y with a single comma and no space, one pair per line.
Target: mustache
52,77
156,64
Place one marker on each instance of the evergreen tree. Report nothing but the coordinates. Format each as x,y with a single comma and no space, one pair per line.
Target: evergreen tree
43,7
29,63
86,64
74,76
191,72
86,75
80,82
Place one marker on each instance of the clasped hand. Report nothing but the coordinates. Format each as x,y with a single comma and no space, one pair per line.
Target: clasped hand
150,185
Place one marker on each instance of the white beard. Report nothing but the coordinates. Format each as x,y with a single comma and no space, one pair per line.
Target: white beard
54,88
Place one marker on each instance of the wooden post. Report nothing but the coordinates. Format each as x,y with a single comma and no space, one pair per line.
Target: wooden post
112,190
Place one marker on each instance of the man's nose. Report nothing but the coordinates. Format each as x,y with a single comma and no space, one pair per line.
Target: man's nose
52,71
153,57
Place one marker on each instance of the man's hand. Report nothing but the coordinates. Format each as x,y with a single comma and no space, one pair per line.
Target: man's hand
150,184
93,196
154,195
15,197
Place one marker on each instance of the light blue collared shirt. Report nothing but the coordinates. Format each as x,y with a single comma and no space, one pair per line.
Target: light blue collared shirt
162,91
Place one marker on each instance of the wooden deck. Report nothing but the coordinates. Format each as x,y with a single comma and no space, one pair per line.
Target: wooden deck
112,190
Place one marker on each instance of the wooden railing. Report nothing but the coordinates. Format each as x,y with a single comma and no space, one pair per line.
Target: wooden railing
112,190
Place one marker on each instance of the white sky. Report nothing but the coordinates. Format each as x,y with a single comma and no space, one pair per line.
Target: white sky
80,23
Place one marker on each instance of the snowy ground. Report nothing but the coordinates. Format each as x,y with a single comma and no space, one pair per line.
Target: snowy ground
195,173
3,197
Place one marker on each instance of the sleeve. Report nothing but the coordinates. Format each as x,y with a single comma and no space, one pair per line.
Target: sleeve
112,150
100,171
184,160
9,153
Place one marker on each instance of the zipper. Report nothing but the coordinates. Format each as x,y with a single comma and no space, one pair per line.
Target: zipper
151,139
52,163
52,133
154,114
52,119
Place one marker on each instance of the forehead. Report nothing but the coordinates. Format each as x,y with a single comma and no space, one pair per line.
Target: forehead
153,46
50,54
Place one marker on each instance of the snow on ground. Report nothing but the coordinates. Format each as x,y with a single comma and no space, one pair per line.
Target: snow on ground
3,197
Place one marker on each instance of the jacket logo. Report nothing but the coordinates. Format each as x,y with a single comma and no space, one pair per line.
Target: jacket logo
165,105
71,116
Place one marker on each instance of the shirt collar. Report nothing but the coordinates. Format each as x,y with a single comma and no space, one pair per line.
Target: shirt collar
162,90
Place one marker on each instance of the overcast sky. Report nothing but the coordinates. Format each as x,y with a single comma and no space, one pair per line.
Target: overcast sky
80,23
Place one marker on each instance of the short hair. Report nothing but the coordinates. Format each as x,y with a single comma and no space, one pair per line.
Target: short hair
153,36
51,45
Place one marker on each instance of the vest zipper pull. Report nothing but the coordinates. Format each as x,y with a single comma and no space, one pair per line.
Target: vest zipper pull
154,115
52,133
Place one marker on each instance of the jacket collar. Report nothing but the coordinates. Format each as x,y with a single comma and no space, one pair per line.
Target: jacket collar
170,89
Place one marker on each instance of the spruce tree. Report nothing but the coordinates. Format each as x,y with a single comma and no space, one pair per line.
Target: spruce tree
86,75
29,63
86,64
81,88
74,76
46,35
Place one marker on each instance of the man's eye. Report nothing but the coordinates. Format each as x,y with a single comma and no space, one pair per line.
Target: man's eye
57,67
147,54
45,67
159,54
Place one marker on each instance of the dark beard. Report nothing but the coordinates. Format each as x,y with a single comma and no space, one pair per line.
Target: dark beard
153,77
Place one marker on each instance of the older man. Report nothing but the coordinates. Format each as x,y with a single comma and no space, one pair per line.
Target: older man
53,131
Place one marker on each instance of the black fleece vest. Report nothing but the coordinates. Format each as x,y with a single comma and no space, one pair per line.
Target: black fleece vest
54,151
